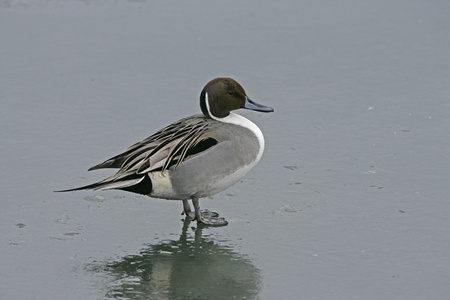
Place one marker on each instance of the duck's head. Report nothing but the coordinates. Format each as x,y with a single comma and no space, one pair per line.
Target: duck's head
222,95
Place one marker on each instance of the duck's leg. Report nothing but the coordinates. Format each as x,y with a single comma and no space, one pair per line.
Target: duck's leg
207,217
187,211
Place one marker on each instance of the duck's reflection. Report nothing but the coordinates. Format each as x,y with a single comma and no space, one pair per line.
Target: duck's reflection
192,267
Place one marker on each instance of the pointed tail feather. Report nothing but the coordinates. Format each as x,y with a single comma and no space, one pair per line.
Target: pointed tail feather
101,185
93,186
140,185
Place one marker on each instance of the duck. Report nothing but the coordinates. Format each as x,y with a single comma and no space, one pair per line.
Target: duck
195,157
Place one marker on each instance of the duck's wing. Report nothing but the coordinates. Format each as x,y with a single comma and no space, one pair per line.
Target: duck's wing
163,150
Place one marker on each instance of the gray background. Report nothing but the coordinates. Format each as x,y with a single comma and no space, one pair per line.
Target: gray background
351,197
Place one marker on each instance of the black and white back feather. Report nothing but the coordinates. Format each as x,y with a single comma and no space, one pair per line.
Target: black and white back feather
160,152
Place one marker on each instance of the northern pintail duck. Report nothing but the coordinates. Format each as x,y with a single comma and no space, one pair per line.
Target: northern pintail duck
195,157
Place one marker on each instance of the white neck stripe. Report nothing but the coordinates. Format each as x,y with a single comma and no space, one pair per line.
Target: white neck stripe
209,110
239,120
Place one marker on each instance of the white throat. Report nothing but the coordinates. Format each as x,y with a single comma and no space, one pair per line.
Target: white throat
239,120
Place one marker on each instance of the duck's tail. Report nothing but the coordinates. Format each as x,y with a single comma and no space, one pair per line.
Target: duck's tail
135,183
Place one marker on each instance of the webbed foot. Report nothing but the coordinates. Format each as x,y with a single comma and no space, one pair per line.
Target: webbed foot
204,216
206,213
213,221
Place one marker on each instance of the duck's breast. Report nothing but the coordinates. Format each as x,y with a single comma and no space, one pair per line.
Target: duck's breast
237,151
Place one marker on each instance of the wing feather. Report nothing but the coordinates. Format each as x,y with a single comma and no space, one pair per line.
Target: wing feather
165,149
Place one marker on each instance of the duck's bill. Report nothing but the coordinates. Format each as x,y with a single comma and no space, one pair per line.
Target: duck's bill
249,104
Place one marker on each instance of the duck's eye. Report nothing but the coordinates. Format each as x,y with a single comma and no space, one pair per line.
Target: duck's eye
230,92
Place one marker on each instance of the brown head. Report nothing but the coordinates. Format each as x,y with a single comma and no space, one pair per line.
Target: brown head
222,95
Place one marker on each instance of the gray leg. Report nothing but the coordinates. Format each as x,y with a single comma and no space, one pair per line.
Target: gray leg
207,217
187,211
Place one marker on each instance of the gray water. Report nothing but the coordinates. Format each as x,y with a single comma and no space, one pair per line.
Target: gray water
350,200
